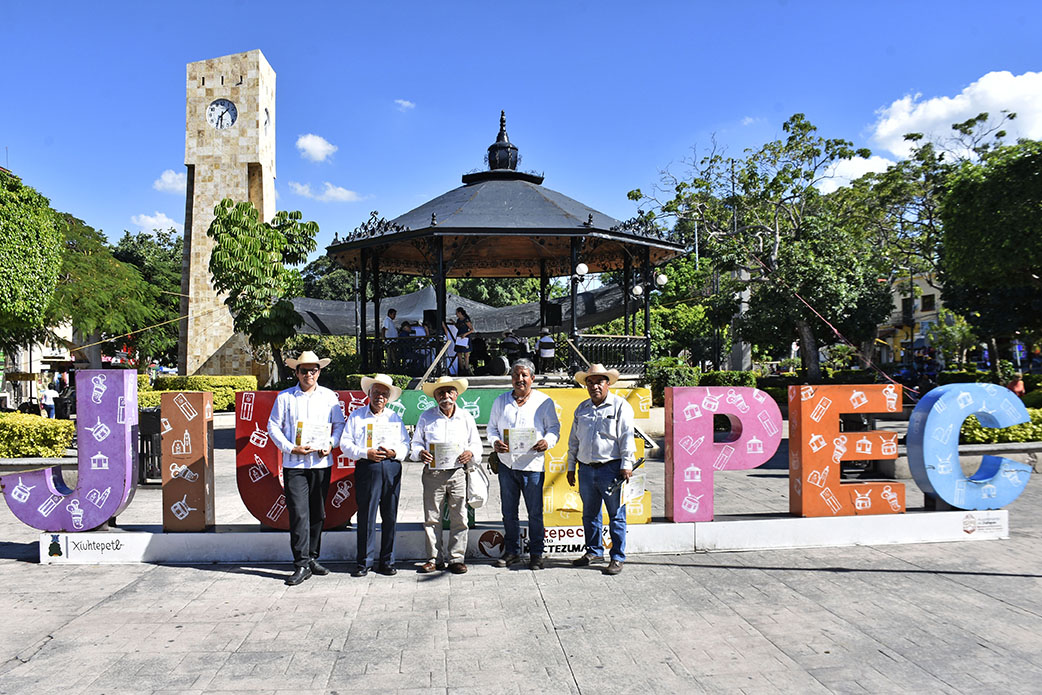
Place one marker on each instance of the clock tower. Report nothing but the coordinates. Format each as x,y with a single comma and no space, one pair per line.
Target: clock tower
230,153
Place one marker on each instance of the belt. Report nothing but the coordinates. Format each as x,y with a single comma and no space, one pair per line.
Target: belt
598,464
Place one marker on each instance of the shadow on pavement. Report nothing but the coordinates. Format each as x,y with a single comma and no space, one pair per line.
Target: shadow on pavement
837,570
26,552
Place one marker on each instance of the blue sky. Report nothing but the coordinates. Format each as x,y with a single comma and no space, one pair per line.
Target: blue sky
599,96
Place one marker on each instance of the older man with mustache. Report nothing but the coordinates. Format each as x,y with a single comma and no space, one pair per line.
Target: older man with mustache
446,440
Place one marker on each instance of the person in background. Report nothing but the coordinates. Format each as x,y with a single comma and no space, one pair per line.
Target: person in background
445,424
545,348
1016,386
601,445
47,396
464,329
522,474
306,467
389,332
378,471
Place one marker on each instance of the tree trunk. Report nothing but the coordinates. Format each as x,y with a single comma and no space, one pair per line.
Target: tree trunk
809,352
280,372
993,343
864,357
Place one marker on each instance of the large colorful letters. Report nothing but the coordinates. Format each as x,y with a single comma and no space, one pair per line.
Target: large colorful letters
817,448
258,463
188,475
691,454
933,446
107,436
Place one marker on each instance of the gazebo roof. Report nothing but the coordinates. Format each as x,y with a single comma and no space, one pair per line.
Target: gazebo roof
502,223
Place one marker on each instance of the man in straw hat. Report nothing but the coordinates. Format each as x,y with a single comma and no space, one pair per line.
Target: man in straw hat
601,443
305,424
530,416
446,440
375,438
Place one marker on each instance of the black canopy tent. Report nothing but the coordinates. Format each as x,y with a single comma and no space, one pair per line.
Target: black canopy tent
504,223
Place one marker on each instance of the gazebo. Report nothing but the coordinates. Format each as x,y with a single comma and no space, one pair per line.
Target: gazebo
504,223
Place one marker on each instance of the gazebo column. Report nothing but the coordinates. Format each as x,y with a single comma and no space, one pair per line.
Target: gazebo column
377,337
646,279
439,280
627,283
574,283
363,255
544,284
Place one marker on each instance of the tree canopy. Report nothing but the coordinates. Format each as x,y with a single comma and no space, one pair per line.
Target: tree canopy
157,255
30,260
253,263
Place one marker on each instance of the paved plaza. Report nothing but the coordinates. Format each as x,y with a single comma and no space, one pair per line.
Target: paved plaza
938,618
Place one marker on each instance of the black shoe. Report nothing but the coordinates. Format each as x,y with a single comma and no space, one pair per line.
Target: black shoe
318,569
458,568
298,576
507,560
360,572
587,559
614,567
535,562
387,570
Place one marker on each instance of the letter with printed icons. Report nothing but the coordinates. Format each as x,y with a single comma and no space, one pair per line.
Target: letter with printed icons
817,448
106,401
935,463
258,468
692,457
188,461
561,503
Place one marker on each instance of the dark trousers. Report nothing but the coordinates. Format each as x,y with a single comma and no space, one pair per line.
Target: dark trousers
379,484
306,490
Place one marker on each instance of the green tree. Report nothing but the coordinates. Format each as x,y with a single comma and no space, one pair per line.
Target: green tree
952,335
496,291
30,260
992,220
158,256
324,278
771,225
249,263
100,296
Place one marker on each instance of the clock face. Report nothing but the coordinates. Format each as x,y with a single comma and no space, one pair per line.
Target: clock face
221,114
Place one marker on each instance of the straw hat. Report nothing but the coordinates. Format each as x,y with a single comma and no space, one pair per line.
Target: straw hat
307,357
441,382
368,381
597,370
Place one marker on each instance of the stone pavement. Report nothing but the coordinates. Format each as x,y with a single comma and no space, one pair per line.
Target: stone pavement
949,618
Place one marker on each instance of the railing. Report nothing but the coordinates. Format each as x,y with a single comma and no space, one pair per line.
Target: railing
623,352
411,355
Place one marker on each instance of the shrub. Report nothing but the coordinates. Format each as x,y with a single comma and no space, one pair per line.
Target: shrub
728,379
669,371
143,383
1032,382
975,433
223,398
780,394
851,376
24,435
963,377
340,349
205,383
1033,399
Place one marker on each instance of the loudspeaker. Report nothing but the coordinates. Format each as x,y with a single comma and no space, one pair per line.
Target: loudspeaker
430,317
553,314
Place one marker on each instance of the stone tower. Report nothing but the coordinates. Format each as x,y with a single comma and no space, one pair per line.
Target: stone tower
230,153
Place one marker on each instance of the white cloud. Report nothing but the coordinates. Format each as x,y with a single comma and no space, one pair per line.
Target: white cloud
844,171
994,92
171,182
330,193
405,104
156,221
749,120
315,147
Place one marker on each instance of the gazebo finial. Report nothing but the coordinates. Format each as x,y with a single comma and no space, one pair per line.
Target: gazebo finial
502,154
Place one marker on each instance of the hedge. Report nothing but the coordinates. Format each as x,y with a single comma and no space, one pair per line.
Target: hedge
964,377
143,383
1033,399
669,371
975,433
205,383
1032,382
24,435
223,398
728,379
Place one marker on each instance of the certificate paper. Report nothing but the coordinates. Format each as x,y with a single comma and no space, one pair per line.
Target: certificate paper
445,455
386,434
520,439
633,489
314,434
